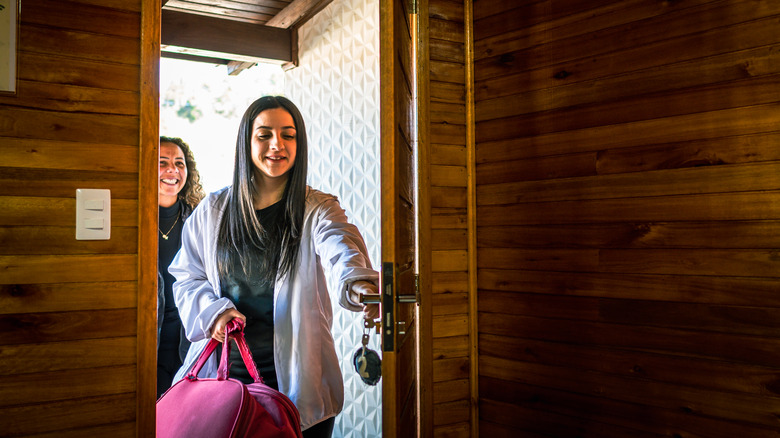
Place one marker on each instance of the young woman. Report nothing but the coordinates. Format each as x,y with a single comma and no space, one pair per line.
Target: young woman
259,250
179,192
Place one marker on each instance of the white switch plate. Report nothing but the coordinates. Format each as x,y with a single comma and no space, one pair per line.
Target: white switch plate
93,214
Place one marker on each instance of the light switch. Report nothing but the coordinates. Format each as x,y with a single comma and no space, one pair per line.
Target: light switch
93,224
93,214
93,204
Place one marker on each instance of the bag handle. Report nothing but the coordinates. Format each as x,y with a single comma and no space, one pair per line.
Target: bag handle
235,330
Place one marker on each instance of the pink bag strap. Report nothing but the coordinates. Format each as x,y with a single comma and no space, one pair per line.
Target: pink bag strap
235,330
204,356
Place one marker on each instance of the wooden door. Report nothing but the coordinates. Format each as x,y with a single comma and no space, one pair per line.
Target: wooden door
400,399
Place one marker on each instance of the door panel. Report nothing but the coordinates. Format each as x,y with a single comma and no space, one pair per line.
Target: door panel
399,140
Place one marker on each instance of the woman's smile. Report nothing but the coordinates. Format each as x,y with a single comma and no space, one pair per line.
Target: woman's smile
274,144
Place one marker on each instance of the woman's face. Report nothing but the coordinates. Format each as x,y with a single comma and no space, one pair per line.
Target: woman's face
173,173
274,144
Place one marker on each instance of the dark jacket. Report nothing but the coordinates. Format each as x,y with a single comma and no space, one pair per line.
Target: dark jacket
184,343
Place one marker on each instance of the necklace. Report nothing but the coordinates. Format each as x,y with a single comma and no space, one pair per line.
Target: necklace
165,235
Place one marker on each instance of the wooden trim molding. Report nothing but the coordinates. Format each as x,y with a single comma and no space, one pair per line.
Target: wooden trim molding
468,21
425,313
148,144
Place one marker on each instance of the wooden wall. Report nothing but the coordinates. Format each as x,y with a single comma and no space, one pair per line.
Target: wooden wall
449,220
68,308
628,217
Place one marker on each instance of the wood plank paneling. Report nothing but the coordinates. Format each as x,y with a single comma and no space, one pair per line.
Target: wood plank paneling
41,154
53,297
749,120
692,234
500,30
714,318
63,183
729,406
716,151
69,309
680,34
58,97
80,45
23,328
453,260
451,390
57,126
91,18
51,211
119,430
456,430
450,347
748,349
56,356
704,180
628,213
716,97
537,423
449,282
738,291
449,217
448,155
45,387
448,197
607,417
449,239
451,394
54,69
451,412
759,205
677,370
52,240
581,86
70,414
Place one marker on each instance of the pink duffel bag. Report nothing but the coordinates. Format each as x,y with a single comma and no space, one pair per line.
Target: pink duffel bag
214,408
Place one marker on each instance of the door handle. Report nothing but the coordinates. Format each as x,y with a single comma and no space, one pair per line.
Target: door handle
376,299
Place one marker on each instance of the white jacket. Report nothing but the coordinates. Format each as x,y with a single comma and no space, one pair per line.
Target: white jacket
306,362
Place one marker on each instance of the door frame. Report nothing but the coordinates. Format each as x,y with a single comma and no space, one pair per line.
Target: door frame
148,145
147,223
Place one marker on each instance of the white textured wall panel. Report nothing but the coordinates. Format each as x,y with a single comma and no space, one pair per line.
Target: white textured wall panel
336,86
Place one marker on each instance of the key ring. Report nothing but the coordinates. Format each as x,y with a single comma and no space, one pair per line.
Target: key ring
367,362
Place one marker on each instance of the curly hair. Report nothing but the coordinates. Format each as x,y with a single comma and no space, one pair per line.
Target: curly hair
192,192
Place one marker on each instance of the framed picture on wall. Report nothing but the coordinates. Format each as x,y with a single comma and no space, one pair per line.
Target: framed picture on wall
9,27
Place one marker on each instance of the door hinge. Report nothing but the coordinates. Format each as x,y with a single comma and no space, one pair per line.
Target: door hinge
413,6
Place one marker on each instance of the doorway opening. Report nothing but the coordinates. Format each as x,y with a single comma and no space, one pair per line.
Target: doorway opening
336,87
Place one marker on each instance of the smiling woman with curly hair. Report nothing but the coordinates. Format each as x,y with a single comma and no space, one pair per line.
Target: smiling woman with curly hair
179,192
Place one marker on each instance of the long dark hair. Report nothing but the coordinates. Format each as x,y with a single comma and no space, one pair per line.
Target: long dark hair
240,232
192,192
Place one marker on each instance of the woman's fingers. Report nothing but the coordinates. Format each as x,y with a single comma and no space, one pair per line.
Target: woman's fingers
371,311
367,288
218,329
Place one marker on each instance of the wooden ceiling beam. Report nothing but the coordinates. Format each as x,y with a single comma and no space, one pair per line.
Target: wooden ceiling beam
228,39
297,13
196,58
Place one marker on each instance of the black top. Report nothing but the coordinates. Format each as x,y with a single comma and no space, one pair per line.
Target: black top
254,298
171,225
